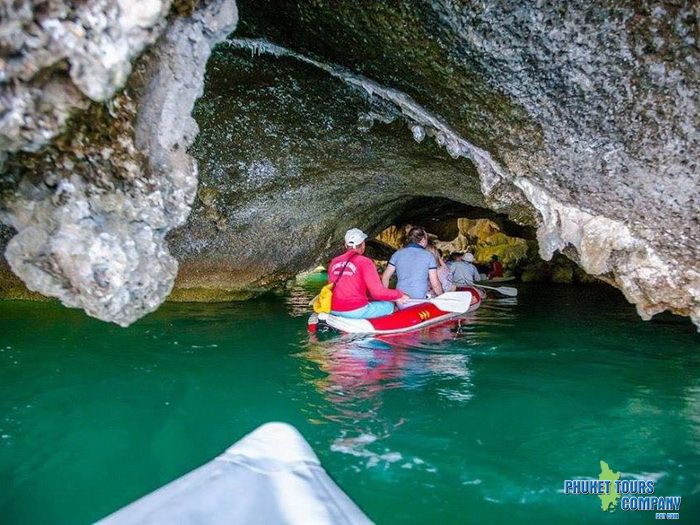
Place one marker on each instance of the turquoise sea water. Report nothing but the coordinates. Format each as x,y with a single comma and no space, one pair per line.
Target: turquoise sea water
480,424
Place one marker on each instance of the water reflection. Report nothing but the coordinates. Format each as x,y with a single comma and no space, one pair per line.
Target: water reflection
299,298
358,370
360,367
360,377
691,413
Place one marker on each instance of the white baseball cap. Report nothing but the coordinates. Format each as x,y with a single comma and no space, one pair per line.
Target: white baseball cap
354,237
469,257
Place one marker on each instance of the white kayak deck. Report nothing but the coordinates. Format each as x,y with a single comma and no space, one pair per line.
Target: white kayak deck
270,476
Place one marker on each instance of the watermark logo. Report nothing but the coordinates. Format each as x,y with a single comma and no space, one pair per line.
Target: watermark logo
610,498
625,494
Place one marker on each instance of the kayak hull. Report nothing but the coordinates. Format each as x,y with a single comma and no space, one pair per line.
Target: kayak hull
272,475
407,320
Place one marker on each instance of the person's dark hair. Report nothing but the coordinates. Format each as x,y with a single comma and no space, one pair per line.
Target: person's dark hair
416,235
494,257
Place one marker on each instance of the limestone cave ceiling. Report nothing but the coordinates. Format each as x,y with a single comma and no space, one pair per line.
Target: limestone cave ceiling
576,95
288,155
579,119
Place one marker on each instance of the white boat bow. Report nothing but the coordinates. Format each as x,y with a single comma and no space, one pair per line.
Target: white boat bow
270,476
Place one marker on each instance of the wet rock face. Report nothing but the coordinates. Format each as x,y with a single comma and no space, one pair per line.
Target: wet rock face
590,108
600,92
56,56
92,209
290,158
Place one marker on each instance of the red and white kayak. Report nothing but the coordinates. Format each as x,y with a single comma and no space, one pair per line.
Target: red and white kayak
407,320
496,280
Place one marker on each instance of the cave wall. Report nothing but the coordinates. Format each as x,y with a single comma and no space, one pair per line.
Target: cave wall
587,110
290,157
58,56
93,188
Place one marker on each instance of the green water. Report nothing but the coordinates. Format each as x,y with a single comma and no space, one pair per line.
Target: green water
478,425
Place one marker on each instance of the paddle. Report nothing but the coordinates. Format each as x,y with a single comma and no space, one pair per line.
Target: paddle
455,302
505,290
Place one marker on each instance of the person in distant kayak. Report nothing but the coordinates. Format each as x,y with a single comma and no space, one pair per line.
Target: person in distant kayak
357,280
443,271
464,273
415,267
496,269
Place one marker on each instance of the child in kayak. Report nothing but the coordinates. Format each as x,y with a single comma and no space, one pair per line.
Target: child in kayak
443,272
356,280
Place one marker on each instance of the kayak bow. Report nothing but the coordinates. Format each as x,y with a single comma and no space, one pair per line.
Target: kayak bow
270,476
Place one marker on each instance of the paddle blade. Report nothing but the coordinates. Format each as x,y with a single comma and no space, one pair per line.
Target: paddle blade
505,290
456,302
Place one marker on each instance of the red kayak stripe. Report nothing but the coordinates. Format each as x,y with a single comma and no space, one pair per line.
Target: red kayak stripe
416,314
408,317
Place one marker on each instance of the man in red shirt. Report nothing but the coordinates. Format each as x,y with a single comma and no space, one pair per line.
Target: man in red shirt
496,269
356,280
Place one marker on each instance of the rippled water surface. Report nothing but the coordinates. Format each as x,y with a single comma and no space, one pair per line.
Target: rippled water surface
474,423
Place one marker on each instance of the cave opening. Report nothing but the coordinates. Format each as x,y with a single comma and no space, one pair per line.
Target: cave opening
454,226
457,227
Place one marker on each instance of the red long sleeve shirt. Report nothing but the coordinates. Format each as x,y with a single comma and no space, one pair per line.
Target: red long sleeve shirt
496,270
360,282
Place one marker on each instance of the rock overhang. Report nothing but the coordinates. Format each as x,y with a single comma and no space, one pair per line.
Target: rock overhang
577,119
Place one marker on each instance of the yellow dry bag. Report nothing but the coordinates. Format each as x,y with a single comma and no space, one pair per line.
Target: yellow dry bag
322,303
